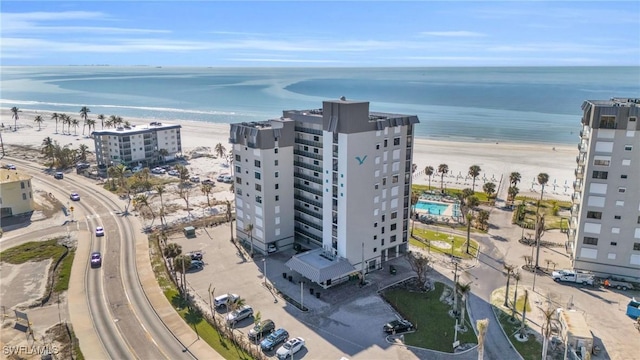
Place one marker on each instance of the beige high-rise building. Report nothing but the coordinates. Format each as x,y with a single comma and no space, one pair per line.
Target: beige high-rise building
605,217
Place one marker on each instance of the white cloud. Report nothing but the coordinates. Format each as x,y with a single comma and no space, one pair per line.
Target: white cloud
460,33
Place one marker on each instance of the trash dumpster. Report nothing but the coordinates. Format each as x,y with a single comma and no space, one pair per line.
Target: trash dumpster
189,231
392,270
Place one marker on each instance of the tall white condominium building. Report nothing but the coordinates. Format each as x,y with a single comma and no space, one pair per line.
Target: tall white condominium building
137,145
605,216
335,181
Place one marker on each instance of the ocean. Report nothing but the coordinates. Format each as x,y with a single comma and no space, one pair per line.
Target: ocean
509,104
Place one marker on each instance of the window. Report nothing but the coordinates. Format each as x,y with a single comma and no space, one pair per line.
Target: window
275,151
601,162
256,163
239,191
590,240
636,246
238,157
393,238
277,186
385,142
622,189
316,151
394,226
277,197
259,199
276,174
375,225
628,147
638,219
376,186
21,185
316,138
394,179
275,162
238,169
623,176
258,175
306,148
316,162
384,181
600,175
607,122
238,180
24,196
394,215
396,141
613,243
258,187
377,146
617,217
382,230
383,217
594,215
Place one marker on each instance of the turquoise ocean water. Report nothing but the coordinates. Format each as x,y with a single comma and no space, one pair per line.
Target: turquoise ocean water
510,104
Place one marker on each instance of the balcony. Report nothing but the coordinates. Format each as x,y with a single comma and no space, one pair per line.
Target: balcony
308,130
582,147
579,172
580,159
585,133
307,189
308,200
308,223
576,198
311,167
307,154
577,185
309,142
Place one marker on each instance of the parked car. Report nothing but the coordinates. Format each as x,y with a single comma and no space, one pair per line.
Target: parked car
271,248
261,329
82,166
225,299
220,177
580,277
239,314
397,326
195,179
289,348
59,175
228,179
96,259
274,339
99,231
208,182
173,173
195,255
158,170
74,196
10,167
195,265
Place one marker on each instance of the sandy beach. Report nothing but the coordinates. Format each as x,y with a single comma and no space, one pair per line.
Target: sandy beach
495,159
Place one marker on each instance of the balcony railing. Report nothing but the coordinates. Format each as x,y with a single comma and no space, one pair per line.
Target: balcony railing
308,166
579,172
576,198
307,154
309,142
308,200
308,130
308,223
577,186
307,189
580,159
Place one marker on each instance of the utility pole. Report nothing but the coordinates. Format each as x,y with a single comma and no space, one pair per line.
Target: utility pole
539,228
362,283
455,290
302,295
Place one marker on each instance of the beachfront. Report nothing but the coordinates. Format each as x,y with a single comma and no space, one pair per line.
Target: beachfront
496,160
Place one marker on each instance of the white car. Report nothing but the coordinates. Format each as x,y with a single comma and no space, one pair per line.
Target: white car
225,299
240,314
74,196
195,179
158,170
99,231
221,177
289,348
173,173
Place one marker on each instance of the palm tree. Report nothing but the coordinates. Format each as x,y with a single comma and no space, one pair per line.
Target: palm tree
206,189
143,200
429,171
489,189
442,169
414,200
474,171
38,120
509,269
543,179
481,326
524,313
91,123
229,219
160,190
83,150
482,219
15,117
101,118
84,114
464,289
164,153
512,193
546,330
55,117
249,229
111,122
63,120
181,264
75,123
514,178
183,174
172,250
516,276
48,148
220,150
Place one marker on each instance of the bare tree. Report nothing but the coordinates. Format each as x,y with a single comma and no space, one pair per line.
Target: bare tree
421,265
509,268
183,191
482,326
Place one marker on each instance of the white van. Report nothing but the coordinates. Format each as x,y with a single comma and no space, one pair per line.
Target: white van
227,179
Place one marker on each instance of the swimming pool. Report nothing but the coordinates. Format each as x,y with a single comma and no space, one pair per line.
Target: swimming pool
432,208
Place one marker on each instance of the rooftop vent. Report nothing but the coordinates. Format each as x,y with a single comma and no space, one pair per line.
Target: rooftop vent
343,98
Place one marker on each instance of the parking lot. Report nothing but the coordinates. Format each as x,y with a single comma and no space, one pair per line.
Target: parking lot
344,321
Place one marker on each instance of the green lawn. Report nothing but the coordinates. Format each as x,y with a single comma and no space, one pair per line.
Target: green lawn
39,251
482,196
547,207
435,328
440,242
529,350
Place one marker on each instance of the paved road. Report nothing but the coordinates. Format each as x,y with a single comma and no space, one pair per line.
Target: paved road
110,303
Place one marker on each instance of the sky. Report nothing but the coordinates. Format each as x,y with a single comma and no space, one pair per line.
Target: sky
320,34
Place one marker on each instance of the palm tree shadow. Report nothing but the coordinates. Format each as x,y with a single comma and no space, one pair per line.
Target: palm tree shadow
178,301
194,317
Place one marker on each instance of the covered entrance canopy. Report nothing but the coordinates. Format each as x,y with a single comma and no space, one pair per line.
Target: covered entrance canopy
319,266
